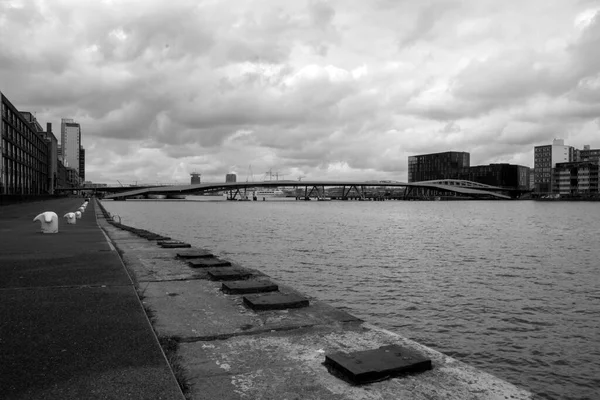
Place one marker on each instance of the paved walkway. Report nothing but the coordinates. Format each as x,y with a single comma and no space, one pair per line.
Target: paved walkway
71,325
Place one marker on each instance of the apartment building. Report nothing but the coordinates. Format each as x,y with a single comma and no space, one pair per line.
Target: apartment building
545,159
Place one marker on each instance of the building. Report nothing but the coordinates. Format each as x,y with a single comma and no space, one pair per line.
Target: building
23,152
502,175
81,164
52,143
195,178
230,178
532,179
576,178
587,154
70,140
545,159
429,167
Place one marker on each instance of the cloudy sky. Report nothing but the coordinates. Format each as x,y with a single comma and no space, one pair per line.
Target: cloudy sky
339,89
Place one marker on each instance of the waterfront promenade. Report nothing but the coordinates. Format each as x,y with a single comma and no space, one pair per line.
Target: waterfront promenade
71,324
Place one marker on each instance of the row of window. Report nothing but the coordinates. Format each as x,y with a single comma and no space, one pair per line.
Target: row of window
19,179
12,151
25,155
27,140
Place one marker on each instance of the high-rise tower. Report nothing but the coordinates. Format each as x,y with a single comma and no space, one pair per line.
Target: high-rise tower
70,140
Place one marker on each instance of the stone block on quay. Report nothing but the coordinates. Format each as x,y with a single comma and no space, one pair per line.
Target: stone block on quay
375,365
208,263
194,254
157,237
174,245
249,286
275,301
168,241
228,274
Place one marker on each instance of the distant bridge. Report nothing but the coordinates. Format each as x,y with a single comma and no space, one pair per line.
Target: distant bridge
349,189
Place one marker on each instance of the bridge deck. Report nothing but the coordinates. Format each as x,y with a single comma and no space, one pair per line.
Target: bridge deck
480,190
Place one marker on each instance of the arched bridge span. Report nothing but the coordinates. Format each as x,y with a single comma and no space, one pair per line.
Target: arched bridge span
316,188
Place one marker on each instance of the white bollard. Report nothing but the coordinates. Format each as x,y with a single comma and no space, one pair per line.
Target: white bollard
71,218
49,221
81,209
78,214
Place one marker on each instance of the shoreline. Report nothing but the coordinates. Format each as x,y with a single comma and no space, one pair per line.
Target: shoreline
224,349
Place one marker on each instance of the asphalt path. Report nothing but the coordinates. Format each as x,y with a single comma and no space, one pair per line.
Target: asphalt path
71,324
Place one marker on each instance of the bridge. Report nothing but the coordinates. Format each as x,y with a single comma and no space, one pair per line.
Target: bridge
360,190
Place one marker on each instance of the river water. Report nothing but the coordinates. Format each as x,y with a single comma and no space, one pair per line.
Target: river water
511,287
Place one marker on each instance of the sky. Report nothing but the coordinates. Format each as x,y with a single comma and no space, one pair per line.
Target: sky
316,89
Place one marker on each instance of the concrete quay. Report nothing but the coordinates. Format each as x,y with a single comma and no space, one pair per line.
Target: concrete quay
71,323
225,349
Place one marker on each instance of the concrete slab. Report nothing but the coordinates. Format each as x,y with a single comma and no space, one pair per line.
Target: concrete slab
194,254
208,262
290,365
161,242
198,309
368,366
228,274
249,286
175,245
149,269
157,238
275,301
152,236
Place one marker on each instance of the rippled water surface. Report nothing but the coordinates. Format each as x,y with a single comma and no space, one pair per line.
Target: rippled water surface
509,287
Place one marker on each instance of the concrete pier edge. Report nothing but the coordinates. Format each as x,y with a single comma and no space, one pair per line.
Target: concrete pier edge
173,368
227,351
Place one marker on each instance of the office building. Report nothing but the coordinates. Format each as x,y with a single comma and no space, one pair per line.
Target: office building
429,167
70,141
545,159
23,152
532,179
502,175
576,178
81,164
53,161
587,154
230,178
195,178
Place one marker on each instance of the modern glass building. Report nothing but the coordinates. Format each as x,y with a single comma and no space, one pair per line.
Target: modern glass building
501,175
435,166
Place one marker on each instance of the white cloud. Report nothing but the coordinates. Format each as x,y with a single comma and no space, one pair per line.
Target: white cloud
315,88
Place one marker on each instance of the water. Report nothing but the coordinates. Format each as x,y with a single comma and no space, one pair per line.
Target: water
510,287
